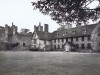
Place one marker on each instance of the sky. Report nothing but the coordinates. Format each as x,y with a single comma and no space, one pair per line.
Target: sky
21,13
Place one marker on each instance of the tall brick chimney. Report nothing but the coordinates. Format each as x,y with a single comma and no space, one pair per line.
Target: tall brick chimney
12,23
14,28
46,27
35,28
40,28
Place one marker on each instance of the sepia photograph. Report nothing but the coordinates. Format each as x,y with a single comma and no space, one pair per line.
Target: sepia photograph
49,37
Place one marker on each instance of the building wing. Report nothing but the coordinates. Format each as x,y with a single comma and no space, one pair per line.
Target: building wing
74,32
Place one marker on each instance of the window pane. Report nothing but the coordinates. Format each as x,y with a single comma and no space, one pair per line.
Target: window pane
66,39
58,40
58,46
82,46
77,46
35,41
55,41
88,38
71,39
44,42
76,38
88,46
83,38
62,40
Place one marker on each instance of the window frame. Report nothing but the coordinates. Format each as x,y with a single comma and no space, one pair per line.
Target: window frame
88,38
77,46
88,45
76,38
72,39
35,41
82,46
83,38
66,39
62,39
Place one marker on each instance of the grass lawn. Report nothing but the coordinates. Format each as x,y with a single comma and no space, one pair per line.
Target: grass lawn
49,63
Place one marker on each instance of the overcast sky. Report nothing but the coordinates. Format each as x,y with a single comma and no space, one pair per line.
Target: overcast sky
22,14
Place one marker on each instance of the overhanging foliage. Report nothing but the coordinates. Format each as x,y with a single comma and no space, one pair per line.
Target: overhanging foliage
76,11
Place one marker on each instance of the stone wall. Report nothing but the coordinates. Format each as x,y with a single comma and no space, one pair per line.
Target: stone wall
25,39
79,42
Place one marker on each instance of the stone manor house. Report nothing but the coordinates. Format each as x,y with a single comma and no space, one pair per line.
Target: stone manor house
81,38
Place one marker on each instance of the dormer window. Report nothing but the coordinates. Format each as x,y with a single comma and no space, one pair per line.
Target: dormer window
84,31
73,32
63,34
57,34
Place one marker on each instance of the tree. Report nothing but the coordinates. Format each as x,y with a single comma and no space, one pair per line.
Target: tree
71,11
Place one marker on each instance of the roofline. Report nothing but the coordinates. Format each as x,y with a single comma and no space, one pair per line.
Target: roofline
75,27
71,37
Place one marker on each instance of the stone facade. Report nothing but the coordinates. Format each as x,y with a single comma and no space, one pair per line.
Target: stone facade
78,41
83,38
40,38
9,34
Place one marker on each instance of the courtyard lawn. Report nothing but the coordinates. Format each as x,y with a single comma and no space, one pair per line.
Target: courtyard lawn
49,63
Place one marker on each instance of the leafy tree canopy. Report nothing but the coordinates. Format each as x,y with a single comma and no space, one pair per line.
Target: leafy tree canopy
70,11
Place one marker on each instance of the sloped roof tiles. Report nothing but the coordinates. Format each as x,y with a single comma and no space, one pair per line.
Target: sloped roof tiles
74,32
44,35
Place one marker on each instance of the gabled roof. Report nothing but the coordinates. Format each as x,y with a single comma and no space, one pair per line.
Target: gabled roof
44,35
74,32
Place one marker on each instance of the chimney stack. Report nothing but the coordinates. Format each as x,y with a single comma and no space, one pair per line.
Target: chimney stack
40,28
46,27
12,23
14,28
35,28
